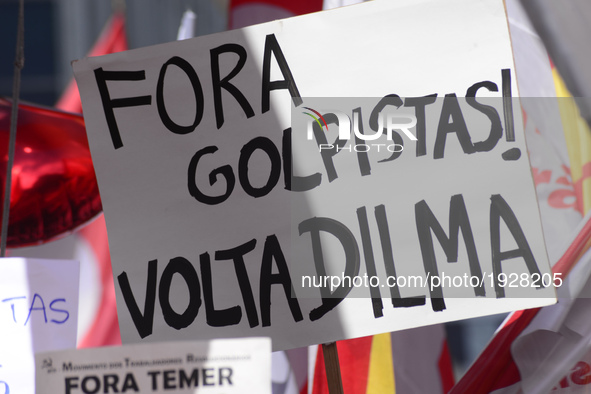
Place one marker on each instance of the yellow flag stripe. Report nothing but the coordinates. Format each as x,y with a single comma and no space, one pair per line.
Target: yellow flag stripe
381,367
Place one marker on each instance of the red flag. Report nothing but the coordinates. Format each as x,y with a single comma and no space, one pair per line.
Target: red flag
248,12
496,368
111,40
105,328
354,361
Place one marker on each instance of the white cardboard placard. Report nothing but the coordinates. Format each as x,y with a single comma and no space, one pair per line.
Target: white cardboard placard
207,367
38,313
188,145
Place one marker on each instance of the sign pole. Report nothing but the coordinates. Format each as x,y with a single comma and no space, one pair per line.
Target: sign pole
19,63
332,367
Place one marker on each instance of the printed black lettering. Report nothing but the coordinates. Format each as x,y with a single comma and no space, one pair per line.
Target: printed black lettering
216,318
208,377
362,156
266,145
292,182
458,220
169,379
154,379
183,267
499,209
109,104
129,383
314,226
237,256
419,103
272,252
110,382
370,264
508,104
452,121
224,83
396,101
90,384
224,171
225,374
272,48
496,128
71,383
197,90
143,321
328,154
189,381
388,254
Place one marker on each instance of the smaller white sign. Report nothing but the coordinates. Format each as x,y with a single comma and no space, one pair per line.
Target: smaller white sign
38,313
218,366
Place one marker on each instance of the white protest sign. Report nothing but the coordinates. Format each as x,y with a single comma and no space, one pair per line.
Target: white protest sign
38,313
217,366
217,210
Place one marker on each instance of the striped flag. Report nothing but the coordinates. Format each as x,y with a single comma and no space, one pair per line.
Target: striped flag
409,361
